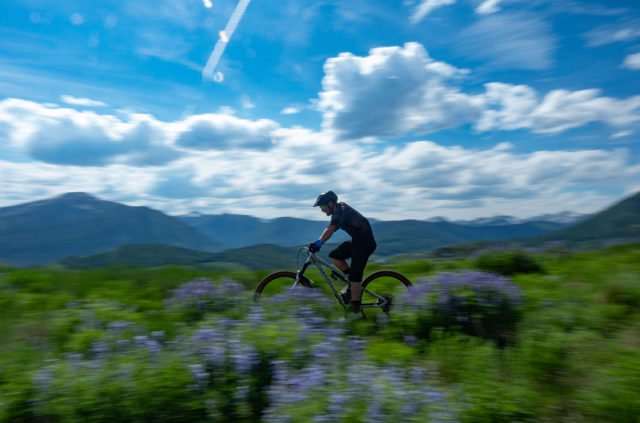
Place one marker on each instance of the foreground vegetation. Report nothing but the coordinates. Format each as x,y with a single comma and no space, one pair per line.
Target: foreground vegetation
501,337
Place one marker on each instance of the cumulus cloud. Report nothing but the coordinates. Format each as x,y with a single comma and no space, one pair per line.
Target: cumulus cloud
391,92
427,6
222,131
67,136
513,107
396,91
632,61
415,180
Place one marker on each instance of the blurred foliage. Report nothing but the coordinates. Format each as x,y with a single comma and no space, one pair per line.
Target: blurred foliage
187,344
507,263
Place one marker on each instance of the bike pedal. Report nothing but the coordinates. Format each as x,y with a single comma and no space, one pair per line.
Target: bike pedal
346,297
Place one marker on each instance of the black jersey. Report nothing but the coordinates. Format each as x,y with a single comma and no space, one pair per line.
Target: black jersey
352,222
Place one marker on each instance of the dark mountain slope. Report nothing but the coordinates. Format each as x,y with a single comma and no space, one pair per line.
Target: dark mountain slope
620,221
256,257
414,235
236,231
79,224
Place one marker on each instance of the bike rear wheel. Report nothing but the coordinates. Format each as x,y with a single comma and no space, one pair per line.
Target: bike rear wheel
278,283
383,286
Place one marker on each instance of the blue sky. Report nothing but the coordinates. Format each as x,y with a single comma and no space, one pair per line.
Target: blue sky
407,109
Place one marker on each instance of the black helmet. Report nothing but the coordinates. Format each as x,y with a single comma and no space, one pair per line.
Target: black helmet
325,197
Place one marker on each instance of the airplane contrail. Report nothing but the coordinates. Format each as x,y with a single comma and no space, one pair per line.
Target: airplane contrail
225,36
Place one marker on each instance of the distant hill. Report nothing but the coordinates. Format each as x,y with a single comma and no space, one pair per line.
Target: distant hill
565,218
80,224
140,255
393,237
408,236
257,257
620,221
235,231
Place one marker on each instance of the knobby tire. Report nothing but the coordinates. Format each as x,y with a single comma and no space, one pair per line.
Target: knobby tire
388,274
278,275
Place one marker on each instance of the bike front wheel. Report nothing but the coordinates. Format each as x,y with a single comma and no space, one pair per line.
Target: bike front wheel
278,283
380,290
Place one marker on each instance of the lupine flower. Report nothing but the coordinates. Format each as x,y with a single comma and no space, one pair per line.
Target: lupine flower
205,296
119,327
478,303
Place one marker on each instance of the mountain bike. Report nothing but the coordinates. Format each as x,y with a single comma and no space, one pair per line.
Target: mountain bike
378,288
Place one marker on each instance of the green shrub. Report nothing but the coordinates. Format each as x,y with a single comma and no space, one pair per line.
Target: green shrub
623,288
474,303
507,263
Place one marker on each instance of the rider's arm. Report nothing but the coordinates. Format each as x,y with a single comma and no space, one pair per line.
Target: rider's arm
328,231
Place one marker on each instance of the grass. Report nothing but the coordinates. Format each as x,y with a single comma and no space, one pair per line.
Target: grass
106,345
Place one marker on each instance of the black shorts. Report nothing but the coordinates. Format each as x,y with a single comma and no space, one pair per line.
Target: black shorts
359,252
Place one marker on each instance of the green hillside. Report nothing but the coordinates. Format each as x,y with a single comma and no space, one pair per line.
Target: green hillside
407,236
188,344
618,222
140,255
256,257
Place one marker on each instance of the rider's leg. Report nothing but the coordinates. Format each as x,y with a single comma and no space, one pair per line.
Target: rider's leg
340,264
340,254
356,291
361,253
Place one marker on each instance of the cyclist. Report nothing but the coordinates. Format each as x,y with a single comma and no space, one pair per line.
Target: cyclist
359,248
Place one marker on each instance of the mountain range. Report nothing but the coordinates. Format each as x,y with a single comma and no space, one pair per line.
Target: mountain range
618,223
78,224
393,237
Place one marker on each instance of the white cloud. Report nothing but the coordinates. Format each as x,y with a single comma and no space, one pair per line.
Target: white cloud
416,180
244,172
488,6
221,132
513,107
632,61
67,136
621,134
291,110
245,100
428,6
28,181
625,31
509,41
391,92
396,91
84,138
79,101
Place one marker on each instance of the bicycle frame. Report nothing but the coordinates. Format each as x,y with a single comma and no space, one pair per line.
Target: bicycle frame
321,264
